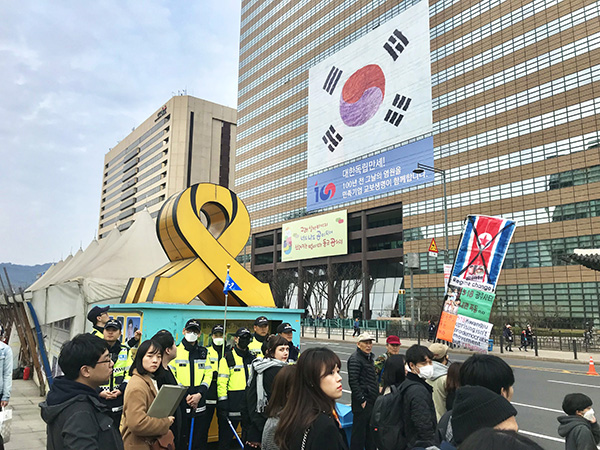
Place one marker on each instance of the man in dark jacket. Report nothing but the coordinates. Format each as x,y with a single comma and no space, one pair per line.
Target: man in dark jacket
419,412
75,416
580,427
363,383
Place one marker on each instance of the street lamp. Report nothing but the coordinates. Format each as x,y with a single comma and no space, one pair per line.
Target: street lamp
422,168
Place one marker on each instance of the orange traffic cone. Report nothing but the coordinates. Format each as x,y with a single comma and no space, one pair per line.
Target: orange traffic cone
592,369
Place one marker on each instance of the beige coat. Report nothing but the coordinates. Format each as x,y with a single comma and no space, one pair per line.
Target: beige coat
137,428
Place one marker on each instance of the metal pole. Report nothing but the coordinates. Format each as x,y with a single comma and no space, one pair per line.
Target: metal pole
225,315
412,301
574,348
446,254
535,346
501,344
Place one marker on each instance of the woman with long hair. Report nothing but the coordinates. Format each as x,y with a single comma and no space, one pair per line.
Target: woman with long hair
282,385
394,373
139,430
309,420
264,370
452,383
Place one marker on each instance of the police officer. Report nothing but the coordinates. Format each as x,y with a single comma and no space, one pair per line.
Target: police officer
261,330
285,330
214,355
98,316
190,371
234,372
112,392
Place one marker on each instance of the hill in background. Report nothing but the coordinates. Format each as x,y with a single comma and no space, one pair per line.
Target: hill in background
22,276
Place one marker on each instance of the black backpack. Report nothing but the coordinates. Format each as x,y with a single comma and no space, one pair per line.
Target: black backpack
387,422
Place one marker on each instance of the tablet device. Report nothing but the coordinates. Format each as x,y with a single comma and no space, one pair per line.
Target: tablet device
166,402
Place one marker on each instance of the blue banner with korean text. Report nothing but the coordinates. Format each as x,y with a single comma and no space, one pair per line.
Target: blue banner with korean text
385,172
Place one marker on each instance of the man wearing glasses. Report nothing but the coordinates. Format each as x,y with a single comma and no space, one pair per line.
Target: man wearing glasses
73,412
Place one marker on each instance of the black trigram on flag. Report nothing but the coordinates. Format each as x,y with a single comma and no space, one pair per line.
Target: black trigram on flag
332,138
396,44
401,103
332,80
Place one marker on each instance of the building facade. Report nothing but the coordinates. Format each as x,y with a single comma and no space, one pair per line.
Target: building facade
187,141
515,98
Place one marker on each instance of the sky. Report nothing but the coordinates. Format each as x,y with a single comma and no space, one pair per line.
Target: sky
75,78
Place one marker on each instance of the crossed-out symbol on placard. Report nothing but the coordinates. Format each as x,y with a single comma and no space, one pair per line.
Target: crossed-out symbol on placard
201,229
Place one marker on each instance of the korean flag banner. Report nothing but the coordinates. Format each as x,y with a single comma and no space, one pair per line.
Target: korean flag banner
372,94
481,252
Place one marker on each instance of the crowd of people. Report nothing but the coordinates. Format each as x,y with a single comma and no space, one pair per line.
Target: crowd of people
283,399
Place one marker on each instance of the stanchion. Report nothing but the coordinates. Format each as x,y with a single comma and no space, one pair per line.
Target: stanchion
377,335
501,344
560,340
328,331
343,333
315,330
575,348
303,330
418,335
535,346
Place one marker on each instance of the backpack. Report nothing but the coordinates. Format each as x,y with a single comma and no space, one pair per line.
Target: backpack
387,423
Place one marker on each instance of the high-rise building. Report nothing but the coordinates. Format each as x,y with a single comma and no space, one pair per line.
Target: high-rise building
515,101
187,141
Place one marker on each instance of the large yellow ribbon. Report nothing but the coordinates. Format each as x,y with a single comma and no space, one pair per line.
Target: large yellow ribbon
202,229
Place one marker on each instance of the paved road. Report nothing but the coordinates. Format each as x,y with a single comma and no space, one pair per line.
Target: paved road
539,389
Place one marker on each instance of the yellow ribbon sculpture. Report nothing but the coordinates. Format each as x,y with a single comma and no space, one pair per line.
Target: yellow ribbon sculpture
201,230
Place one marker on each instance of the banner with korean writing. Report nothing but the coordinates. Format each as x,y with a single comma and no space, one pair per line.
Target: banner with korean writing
316,236
470,293
388,171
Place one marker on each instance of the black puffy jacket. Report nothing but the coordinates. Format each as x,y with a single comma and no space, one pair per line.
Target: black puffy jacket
420,423
362,378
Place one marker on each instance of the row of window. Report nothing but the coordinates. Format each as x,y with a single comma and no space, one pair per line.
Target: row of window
277,183
462,17
303,103
301,122
279,200
263,4
553,57
298,87
272,151
294,159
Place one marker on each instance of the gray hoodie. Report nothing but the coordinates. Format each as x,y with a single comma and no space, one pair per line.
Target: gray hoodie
438,383
579,433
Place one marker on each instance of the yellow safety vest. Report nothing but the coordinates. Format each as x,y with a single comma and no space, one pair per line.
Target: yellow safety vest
119,375
97,333
232,380
212,366
255,347
183,370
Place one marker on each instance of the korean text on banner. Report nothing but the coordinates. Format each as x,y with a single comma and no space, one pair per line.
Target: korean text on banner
317,236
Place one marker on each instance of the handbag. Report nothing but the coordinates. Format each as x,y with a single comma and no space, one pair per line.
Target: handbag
164,442
5,423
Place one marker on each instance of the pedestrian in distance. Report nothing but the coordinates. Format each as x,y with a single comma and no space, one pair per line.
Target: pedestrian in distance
112,392
365,389
477,407
579,427
508,337
524,341
165,375
75,416
492,439
431,330
419,412
356,327
392,345
140,431
452,383
438,379
259,388
282,386
309,420
395,373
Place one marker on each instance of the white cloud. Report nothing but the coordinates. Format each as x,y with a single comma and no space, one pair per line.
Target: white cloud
75,77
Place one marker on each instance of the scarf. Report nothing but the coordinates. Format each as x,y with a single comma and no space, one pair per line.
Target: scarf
259,366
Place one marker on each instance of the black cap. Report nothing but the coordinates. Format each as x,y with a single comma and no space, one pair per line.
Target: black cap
113,323
242,331
95,312
190,324
217,329
261,320
285,328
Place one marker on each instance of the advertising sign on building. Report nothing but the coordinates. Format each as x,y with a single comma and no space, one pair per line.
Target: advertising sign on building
386,172
373,93
470,294
314,237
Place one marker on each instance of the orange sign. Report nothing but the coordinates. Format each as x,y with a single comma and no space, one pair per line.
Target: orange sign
433,246
446,327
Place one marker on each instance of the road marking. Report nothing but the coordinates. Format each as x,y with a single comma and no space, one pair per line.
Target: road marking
573,384
541,436
538,407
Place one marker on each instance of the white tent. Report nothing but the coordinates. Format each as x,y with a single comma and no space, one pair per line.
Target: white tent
99,274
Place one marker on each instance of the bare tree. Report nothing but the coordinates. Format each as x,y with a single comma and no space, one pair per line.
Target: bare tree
282,285
346,281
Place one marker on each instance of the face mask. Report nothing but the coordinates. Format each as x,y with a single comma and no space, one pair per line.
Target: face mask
243,342
426,372
589,415
191,337
218,341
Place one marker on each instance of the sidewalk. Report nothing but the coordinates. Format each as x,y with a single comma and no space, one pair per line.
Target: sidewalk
544,355
28,428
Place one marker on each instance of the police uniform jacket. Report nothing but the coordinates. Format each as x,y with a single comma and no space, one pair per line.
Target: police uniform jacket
256,344
119,376
234,372
189,368
214,355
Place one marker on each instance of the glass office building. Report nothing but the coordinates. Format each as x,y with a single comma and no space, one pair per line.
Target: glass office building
515,101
